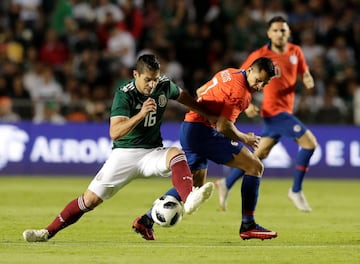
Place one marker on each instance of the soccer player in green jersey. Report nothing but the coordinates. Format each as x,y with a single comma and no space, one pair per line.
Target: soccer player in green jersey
136,116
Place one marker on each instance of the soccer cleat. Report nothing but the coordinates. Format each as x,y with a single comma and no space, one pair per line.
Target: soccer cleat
253,230
223,193
299,200
41,235
198,196
143,225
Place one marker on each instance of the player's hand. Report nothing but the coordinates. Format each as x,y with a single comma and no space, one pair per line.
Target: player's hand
252,111
148,106
252,140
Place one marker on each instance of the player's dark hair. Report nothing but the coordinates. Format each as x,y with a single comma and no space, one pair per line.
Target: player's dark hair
276,19
147,62
265,64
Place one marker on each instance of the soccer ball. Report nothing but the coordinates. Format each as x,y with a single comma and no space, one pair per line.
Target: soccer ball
167,211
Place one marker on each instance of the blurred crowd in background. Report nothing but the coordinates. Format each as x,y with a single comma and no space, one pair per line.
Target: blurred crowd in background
61,60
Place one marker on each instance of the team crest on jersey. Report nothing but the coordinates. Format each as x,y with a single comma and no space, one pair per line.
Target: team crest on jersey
162,100
293,59
297,128
234,143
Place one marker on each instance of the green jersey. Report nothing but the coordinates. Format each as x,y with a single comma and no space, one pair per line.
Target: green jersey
128,102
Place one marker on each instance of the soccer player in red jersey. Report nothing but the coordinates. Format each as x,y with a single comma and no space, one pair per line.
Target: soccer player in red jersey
226,95
277,110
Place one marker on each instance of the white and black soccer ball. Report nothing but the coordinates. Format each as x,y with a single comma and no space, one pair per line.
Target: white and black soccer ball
167,211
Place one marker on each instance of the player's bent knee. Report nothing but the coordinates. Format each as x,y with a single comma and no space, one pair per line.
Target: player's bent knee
262,155
174,151
314,143
91,200
259,168
256,168
171,153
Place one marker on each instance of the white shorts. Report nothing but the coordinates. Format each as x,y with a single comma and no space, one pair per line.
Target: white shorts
124,165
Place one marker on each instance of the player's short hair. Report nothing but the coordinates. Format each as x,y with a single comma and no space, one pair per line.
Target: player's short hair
264,63
147,62
276,19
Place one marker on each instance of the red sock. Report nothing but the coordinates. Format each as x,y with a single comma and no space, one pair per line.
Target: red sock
181,176
69,215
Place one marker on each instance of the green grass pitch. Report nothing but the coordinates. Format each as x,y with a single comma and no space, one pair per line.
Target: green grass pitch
329,234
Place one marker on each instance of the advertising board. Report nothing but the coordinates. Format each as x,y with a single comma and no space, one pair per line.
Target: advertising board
81,148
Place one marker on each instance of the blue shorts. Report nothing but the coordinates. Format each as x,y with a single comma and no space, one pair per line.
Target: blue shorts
201,143
283,124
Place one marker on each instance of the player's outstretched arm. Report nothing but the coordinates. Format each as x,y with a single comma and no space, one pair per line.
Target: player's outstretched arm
228,129
252,111
187,100
308,80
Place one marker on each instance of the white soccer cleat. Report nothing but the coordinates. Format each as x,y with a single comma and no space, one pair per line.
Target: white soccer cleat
198,196
36,235
223,193
299,200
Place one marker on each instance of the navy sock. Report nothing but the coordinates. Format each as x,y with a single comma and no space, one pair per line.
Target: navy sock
249,195
302,166
173,192
233,176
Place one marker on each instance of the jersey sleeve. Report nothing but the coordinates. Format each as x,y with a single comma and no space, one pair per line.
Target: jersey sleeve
233,101
174,91
302,65
120,105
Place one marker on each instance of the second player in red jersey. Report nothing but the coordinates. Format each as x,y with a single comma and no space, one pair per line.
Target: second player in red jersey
277,110
279,95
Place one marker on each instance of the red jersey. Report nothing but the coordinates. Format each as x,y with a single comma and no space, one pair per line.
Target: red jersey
226,94
279,94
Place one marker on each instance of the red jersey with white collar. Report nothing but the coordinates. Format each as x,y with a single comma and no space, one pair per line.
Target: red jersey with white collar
279,94
226,94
